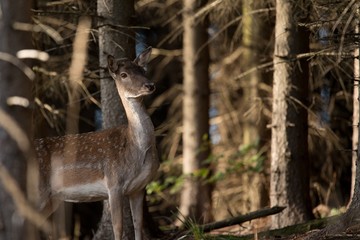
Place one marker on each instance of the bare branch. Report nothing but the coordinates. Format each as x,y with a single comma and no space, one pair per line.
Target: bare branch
17,63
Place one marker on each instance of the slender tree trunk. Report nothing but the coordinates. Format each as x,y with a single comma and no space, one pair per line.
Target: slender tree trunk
196,195
254,33
355,137
117,41
354,205
250,32
13,83
289,147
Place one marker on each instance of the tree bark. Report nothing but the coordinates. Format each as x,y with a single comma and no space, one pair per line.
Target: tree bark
119,42
196,195
13,83
289,147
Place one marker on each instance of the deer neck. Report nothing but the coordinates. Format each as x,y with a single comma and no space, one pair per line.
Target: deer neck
140,126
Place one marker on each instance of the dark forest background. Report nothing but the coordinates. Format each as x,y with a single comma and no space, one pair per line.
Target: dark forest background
273,119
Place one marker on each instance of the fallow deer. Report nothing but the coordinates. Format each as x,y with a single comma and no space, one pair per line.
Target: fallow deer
108,164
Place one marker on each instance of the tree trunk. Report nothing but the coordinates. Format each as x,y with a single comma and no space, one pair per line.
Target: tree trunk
254,33
250,32
289,147
355,137
13,83
196,195
119,42
354,205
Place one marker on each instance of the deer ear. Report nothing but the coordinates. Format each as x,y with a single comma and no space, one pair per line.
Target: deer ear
143,58
111,63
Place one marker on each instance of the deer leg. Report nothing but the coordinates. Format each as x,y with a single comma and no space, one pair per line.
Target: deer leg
136,205
116,199
47,208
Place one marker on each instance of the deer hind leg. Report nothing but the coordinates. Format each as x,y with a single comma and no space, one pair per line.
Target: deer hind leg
47,208
116,199
136,205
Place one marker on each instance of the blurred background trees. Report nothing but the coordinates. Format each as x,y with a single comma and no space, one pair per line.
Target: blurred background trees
216,91
16,79
196,194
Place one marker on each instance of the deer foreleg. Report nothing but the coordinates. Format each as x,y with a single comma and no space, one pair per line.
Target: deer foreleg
136,205
116,199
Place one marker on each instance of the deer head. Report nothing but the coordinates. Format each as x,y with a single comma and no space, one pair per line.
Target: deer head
130,76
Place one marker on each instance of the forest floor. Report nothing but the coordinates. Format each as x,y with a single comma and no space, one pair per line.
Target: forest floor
259,229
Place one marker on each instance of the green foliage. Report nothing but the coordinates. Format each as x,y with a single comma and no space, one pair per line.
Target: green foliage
247,158
171,183
197,232
337,211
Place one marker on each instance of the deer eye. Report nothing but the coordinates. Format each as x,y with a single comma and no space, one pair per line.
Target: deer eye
123,75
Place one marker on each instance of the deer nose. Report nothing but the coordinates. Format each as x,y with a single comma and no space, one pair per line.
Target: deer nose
150,86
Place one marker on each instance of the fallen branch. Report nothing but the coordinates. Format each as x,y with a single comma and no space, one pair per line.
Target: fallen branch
241,219
227,222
